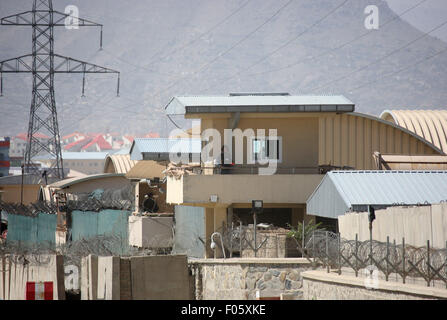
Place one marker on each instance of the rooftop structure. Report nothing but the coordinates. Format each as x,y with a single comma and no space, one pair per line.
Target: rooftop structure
428,124
258,103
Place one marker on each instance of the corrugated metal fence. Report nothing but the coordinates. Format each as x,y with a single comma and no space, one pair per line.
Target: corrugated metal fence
88,224
36,229
189,231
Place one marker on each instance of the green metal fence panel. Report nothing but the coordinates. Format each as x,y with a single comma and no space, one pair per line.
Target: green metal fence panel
46,227
41,228
84,224
189,231
113,222
20,228
87,224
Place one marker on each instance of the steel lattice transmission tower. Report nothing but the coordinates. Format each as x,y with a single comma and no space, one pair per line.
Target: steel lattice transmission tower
43,63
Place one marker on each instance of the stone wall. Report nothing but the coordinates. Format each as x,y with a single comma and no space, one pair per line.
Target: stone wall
320,285
248,279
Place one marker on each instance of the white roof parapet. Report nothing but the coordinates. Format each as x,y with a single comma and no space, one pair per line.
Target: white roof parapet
259,103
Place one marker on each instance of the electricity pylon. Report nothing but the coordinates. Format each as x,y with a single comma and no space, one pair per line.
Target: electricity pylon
43,63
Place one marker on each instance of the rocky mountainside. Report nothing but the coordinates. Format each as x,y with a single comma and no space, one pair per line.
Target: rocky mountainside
194,47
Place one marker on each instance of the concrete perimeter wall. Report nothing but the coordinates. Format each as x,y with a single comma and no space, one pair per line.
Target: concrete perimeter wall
135,278
416,224
320,285
13,276
242,278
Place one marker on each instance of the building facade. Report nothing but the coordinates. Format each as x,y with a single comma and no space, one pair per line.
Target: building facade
311,135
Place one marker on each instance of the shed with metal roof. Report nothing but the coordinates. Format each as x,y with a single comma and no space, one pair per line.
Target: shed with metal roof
345,191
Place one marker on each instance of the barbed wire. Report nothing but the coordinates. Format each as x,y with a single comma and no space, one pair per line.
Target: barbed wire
389,257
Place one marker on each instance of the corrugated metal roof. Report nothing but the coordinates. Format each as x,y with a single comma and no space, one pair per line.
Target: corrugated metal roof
71,181
259,103
163,145
340,191
146,169
27,179
121,163
428,124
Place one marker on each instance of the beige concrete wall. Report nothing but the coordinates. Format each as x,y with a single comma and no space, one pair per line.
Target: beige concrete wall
150,232
89,277
160,278
14,276
299,136
313,139
108,278
416,224
350,140
138,278
281,188
100,278
12,193
320,285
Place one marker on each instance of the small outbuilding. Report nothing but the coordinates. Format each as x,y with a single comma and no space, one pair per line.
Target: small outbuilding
352,191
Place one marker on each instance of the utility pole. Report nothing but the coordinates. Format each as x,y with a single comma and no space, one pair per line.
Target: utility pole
43,63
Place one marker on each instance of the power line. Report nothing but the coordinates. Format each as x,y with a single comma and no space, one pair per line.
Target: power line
132,64
338,47
204,66
400,70
225,19
281,46
380,59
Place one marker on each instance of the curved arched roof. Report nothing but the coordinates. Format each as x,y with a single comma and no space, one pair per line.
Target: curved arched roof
118,163
428,124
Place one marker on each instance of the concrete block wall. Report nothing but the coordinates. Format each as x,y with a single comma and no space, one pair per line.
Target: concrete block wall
13,276
160,278
135,278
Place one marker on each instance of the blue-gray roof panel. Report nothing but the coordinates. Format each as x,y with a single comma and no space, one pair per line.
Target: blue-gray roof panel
357,188
164,145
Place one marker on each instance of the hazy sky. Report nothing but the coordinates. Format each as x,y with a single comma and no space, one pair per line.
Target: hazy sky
425,17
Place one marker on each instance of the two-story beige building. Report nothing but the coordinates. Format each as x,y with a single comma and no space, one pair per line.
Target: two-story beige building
314,134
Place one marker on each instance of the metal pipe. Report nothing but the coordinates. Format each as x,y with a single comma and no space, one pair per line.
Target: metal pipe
428,263
387,256
356,255
403,260
21,187
327,251
100,39
118,86
254,235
